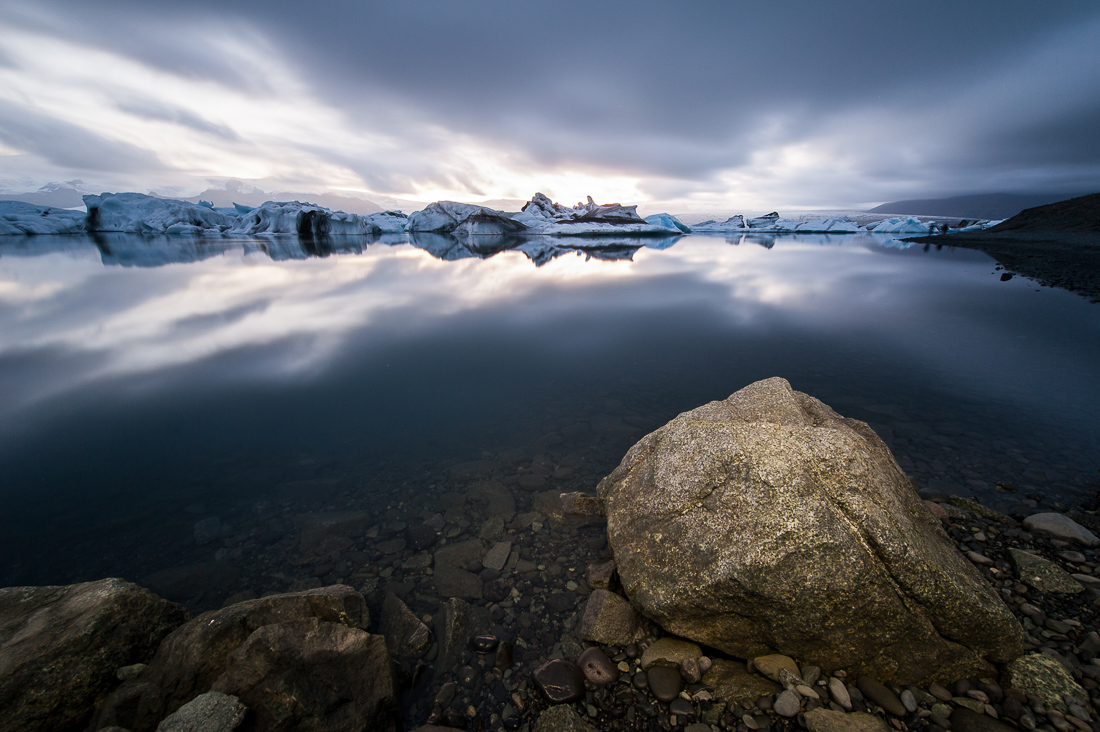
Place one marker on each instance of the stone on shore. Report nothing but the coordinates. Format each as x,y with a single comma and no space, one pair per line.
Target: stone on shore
1043,574
733,683
772,664
209,712
1042,678
608,618
767,523
406,636
561,718
61,647
194,656
1060,527
670,651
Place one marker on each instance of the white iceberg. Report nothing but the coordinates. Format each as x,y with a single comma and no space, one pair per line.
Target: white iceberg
669,222
733,223
304,219
463,219
542,216
389,222
136,213
901,225
828,226
18,218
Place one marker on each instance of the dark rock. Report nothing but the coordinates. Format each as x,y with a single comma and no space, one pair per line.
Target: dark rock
462,555
339,678
597,667
484,643
882,696
560,681
560,602
209,712
452,582
420,536
456,623
681,707
1043,678
825,720
406,636
504,656
664,682
600,574
966,720
192,657
61,646
560,719
732,682
691,517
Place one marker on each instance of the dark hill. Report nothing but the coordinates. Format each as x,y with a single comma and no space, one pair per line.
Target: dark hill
989,206
1057,244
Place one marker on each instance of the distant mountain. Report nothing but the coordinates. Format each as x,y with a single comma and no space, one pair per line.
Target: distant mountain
978,206
55,195
1080,214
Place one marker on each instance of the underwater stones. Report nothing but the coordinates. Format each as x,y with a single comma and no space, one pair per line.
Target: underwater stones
406,636
60,647
771,499
452,582
560,681
497,557
463,555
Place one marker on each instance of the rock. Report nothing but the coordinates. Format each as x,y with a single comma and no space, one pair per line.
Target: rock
597,667
1060,527
732,682
689,669
420,536
194,656
1042,678
61,648
560,681
669,651
492,529
939,692
455,624
317,528
787,703
406,636
499,500
484,643
839,693
882,696
497,556
771,665
770,499
664,682
681,707
609,619
452,582
461,555
938,511
967,720
309,674
600,574
560,718
1042,574
580,504
209,712
208,530
827,720
908,700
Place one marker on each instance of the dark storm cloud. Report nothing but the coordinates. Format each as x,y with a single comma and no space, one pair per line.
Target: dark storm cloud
156,111
665,90
69,146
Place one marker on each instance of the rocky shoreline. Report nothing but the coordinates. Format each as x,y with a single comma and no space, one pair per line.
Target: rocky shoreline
521,622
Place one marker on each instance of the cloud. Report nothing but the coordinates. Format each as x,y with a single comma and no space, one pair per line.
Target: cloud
797,103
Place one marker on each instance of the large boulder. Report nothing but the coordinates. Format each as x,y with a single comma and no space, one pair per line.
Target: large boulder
193,657
60,648
767,523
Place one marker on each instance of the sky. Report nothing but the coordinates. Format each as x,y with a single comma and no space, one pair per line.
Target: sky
687,106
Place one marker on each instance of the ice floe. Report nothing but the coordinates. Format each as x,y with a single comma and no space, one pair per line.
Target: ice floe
136,213
901,225
668,221
18,218
303,219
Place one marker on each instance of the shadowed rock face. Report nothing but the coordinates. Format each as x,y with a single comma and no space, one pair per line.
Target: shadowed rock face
768,523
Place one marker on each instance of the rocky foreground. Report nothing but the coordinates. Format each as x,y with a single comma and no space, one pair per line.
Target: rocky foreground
769,566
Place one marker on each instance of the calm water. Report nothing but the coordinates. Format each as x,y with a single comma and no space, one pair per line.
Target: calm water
147,384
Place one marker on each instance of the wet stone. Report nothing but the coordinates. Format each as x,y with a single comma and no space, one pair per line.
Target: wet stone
560,681
664,682
497,556
966,720
597,667
393,546
681,707
561,602
787,703
770,665
600,574
420,537
484,643
882,696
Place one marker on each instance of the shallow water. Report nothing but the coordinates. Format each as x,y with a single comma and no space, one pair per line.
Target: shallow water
147,384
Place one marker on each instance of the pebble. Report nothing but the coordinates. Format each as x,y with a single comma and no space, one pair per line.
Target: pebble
787,703
484,643
939,692
681,707
839,693
689,669
497,557
908,700
664,682
560,681
882,696
771,665
597,667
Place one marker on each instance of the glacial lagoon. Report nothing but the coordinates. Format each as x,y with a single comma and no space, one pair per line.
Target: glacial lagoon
150,385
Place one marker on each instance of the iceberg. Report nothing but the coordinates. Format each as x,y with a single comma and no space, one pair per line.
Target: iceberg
136,213
21,219
463,219
901,225
669,222
542,216
733,223
304,219
828,226
389,222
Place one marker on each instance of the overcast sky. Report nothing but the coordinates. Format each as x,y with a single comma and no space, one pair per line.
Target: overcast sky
691,105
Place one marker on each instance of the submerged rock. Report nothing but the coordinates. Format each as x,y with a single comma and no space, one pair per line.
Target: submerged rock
767,523
60,648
